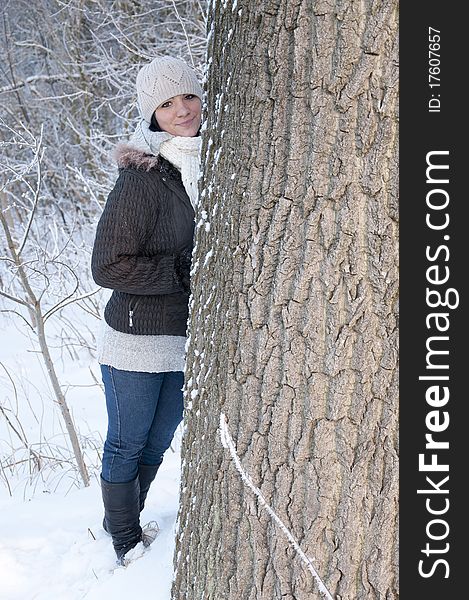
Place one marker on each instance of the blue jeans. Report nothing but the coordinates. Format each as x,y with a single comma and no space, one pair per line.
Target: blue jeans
144,410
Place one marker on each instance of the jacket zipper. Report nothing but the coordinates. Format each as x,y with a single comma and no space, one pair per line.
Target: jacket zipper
131,312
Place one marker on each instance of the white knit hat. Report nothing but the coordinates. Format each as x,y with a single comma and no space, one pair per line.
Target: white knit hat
164,78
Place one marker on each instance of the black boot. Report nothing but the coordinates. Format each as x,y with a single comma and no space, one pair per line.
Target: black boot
146,474
122,515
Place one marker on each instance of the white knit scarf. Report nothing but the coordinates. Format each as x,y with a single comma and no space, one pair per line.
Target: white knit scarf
182,152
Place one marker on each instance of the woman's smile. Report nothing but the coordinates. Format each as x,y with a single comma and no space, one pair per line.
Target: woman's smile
185,123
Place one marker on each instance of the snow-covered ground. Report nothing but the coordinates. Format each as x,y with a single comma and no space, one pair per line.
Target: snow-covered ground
52,545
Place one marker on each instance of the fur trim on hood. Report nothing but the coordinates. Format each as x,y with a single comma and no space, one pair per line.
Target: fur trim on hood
127,155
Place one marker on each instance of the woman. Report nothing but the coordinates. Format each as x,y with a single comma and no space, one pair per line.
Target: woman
142,251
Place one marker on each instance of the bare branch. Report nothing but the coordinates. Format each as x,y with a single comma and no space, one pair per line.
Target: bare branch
14,299
185,32
37,160
66,302
20,316
36,78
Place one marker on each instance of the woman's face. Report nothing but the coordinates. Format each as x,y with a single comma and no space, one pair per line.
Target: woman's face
180,115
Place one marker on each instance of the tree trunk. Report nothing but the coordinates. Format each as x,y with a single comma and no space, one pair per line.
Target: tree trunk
60,397
293,324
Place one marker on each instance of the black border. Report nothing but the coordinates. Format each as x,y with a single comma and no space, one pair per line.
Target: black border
421,132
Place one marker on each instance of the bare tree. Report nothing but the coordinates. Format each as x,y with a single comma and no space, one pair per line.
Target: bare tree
290,469
35,270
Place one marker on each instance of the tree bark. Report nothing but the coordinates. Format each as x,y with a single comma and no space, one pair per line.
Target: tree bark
293,321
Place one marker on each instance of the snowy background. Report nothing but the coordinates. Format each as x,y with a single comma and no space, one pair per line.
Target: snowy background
52,545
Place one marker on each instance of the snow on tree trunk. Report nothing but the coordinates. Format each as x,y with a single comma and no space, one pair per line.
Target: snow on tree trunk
293,323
